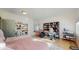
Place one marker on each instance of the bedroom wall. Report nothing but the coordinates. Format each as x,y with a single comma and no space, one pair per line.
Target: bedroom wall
77,28
10,16
77,19
66,21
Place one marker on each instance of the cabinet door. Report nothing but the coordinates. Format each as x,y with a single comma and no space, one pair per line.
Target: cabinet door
9,28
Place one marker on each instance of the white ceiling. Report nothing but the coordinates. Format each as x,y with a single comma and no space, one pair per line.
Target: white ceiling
41,13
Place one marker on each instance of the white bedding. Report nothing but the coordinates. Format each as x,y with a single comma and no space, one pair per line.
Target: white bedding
4,47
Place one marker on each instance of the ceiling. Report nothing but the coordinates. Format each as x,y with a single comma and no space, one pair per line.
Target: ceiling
41,13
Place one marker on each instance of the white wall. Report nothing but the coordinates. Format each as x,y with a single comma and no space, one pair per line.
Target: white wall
7,15
66,21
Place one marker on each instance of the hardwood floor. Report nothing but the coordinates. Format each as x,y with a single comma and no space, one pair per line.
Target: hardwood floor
65,44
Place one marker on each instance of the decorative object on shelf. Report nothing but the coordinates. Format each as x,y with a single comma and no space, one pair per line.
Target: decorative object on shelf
22,28
46,26
68,35
54,25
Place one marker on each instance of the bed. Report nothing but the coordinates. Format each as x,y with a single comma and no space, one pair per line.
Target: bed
20,43
25,43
